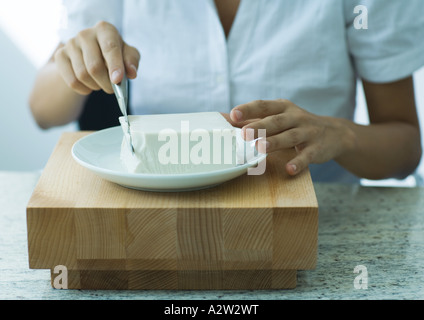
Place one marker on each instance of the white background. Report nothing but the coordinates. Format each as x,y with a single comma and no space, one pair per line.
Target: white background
27,38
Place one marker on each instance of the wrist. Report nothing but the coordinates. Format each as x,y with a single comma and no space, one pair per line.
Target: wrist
347,140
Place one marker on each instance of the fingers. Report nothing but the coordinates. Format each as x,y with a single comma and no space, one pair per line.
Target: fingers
67,72
288,139
273,124
119,57
131,60
95,58
259,109
237,124
287,127
111,46
78,59
300,162
95,65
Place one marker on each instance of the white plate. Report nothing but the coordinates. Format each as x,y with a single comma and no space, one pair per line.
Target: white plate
100,153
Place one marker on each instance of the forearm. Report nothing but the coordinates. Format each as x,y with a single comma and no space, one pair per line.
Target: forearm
381,151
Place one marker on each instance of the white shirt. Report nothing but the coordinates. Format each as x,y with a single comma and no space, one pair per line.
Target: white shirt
306,51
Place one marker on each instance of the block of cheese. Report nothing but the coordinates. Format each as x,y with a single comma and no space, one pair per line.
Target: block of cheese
179,143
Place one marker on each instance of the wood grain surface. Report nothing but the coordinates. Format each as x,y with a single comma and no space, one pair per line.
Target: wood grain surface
253,232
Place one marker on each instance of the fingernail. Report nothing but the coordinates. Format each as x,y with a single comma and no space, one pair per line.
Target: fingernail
134,68
115,76
237,115
293,168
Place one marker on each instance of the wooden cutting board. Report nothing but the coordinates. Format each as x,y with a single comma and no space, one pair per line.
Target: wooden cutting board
253,232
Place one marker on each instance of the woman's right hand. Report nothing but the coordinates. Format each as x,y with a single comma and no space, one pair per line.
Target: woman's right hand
94,58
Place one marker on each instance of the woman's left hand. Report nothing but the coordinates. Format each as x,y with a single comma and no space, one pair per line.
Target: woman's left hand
317,139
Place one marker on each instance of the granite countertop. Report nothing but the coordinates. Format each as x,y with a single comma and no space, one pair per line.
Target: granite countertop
380,229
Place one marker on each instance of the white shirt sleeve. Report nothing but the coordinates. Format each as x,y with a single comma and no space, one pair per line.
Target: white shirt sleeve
82,14
392,46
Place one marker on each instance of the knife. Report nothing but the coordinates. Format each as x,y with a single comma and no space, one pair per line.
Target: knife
121,93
